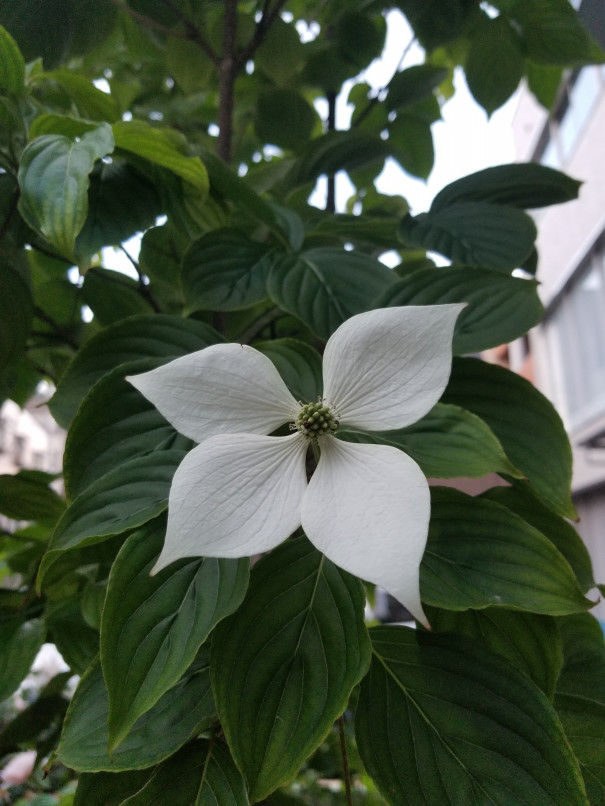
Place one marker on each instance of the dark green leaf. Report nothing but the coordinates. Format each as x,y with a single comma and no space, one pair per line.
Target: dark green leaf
447,442
27,498
12,66
324,287
224,270
584,650
554,527
284,117
435,22
500,308
174,720
91,103
284,665
152,627
112,296
20,641
529,641
77,642
156,336
39,721
442,723
584,724
16,306
494,64
527,425
201,774
473,234
108,788
414,83
412,144
479,554
527,186
298,364
54,162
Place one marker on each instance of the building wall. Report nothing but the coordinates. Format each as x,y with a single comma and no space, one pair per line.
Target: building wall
568,348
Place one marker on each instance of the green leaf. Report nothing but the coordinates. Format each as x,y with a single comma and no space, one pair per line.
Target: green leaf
53,177
108,788
323,287
283,117
435,22
225,270
126,497
529,641
554,527
16,308
473,234
298,364
201,774
500,308
112,296
12,65
525,422
544,81
24,497
162,147
413,84
584,724
77,642
91,103
584,650
174,720
152,627
20,641
150,336
528,185
284,665
479,554
447,442
442,723
494,63
281,53
114,424
412,143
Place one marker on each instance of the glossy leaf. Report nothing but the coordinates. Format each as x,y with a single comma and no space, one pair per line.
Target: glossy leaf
525,422
284,665
584,724
53,177
324,287
24,497
500,308
20,641
12,65
584,650
126,497
479,554
155,336
473,234
527,185
114,425
493,737
529,641
447,442
161,147
152,627
174,720
225,270
298,364
552,526
201,774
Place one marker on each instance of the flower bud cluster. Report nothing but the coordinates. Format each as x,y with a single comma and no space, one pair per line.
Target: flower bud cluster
315,419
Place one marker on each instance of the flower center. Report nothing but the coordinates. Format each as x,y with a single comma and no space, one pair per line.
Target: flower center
315,419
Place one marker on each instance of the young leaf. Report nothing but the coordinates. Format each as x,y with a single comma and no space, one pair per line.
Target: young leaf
525,422
174,720
284,665
152,627
53,177
447,442
20,641
442,723
479,553
12,65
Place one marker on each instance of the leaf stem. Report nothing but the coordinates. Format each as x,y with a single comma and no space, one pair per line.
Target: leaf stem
345,760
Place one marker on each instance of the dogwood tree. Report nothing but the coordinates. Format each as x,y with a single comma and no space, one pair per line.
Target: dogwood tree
230,505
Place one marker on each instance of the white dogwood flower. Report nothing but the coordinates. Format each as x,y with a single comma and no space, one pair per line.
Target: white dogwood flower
241,492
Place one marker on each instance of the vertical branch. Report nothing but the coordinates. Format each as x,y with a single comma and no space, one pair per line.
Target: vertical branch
331,191
226,82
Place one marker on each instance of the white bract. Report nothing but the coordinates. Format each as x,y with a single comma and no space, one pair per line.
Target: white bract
241,492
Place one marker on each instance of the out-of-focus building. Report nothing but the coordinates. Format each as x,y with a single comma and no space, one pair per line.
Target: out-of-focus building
565,355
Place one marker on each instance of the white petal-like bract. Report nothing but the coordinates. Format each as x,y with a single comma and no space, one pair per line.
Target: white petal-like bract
223,389
235,495
387,368
367,509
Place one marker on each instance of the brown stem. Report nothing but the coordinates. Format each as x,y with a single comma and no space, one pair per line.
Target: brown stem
59,331
345,760
226,82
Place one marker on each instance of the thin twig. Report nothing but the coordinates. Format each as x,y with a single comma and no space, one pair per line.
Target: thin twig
59,331
331,189
144,289
345,760
260,324
268,17
227,70
193,33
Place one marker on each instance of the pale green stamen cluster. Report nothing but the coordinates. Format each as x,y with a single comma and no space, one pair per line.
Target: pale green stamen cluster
315,419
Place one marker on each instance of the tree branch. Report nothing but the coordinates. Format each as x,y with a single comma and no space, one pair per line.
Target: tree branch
227,71
331,189
144,289
268,17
